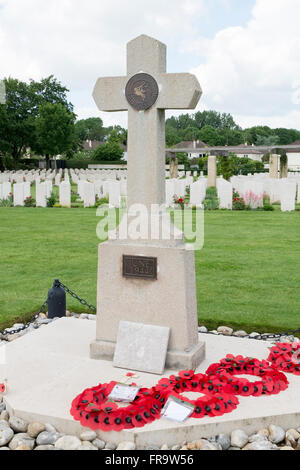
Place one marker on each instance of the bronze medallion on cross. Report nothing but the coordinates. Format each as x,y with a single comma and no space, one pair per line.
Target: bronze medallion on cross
142,91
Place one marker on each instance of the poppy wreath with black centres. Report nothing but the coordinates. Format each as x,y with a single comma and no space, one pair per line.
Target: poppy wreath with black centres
286,357
214,402
272,381
93,409
188,381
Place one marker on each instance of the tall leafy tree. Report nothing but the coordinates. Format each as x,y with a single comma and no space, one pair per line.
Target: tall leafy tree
110,151
21,109
90,129
54,130
16,119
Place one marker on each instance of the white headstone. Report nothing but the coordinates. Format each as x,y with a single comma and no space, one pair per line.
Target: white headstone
65,194
198,192
288,191
41,195
18,194
89,198
225,193
6,190
114,194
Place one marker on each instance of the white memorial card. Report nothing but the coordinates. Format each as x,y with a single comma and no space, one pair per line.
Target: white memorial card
124,393
177,410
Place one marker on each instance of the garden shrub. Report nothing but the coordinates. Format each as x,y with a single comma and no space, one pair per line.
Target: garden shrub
238,203
29,202
211,202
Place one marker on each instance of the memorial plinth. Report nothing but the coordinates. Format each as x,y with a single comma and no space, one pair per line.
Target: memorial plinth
166,297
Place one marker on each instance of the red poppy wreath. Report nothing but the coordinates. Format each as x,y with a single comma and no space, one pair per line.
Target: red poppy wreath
286,357
214,402
272,381
219,388
93,409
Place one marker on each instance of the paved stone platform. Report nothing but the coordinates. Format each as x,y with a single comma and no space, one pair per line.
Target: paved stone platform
46,369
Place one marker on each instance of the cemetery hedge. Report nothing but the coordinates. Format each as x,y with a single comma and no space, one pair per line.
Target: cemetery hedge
84,164
248,273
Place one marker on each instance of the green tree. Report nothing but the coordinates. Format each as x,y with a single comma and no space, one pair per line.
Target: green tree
54,130
16,119
268,141
21,109
119,131
253,133
172,136
89,129
50,90
287,136
190,133
110,151
210,136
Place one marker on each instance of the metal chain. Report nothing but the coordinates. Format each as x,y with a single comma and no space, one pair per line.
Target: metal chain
5,333
75,296
264,337
261,337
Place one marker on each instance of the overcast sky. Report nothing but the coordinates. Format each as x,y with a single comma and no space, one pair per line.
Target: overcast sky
245,53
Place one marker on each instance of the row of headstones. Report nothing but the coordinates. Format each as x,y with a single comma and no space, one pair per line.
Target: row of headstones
178,189
284,191
251,189
28,176
22,191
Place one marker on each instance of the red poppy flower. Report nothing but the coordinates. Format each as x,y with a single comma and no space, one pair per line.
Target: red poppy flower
186,375
108,407
164,384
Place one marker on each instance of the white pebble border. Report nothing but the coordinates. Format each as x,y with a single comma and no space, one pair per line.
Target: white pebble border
16,434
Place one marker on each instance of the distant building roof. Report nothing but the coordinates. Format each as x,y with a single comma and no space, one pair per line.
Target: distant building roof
191,144
297,142
248,150
90,145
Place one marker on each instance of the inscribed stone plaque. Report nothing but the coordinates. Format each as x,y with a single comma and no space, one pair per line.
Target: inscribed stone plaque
142,91
142,347
140,267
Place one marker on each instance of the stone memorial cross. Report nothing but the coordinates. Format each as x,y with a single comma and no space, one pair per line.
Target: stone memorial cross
146,272
146,92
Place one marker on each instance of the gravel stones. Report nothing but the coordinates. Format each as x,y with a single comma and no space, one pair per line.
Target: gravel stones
68,443
47,438
239,438
34,429
6,434
277,434
126,446
21,439
99,444
88,436
225,330
18,424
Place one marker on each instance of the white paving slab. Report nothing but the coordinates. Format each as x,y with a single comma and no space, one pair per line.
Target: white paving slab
46,369
142,347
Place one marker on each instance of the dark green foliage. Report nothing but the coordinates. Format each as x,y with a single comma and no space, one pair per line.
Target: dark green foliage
110,151
29,202
211,202
215,129
90,129
238,203
52,200
18,115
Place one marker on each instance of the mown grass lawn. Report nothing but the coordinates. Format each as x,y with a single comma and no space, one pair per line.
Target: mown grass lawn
248,273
